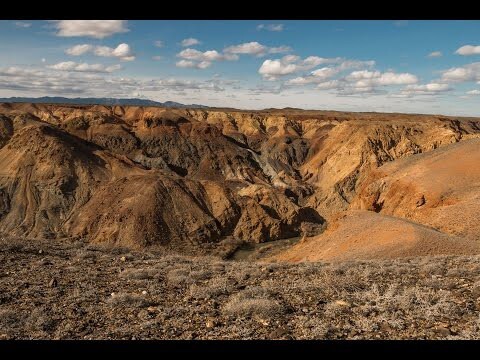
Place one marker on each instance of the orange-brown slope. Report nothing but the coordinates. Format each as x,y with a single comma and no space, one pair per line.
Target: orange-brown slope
440,188
363,235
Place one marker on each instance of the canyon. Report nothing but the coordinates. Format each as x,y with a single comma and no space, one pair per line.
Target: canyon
198,180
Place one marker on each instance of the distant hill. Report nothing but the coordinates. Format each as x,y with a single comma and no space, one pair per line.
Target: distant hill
99,101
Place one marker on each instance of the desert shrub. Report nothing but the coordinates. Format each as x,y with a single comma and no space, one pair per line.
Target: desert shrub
366,324
315,328
128,300
40,320
138,274
83,254
201,274
8,319
213,288
12,244
179,276
457,272
253,301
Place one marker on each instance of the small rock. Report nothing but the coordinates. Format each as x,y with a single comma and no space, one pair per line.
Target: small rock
421,201
3,336
263,322
144,292
45,261
40,251
210,323
342,303
112,294
123,258
53,283
151,309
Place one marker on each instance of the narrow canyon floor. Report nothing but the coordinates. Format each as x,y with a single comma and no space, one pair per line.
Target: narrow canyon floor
74,290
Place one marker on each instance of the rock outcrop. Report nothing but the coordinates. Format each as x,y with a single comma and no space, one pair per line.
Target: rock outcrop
185,178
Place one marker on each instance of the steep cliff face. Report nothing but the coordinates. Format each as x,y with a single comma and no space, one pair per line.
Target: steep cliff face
182,178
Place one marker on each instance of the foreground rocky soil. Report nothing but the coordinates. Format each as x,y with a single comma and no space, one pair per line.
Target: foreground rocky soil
72,290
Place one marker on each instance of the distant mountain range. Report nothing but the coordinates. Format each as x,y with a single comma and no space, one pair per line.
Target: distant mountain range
99,101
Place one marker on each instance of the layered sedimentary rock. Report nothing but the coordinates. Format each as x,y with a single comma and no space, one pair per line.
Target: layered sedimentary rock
182,178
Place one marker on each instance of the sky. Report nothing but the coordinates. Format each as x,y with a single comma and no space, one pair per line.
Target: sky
410,66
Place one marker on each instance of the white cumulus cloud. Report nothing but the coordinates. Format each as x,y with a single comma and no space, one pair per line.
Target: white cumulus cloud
469,72
289,64
467,50
192,58
256,49
122,51
97,29
426,89
78,50
367,78
190,42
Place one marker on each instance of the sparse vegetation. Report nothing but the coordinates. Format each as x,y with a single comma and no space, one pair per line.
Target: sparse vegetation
171,296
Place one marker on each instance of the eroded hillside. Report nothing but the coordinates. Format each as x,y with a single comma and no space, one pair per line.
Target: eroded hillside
191,179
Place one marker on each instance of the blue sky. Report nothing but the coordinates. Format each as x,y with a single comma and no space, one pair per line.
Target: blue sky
393,66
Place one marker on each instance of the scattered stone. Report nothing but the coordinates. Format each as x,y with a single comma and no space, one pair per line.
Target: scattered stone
342,303
421,201
210,323
263,322
152,309
144,292
53,283
45,261
40,251
123,258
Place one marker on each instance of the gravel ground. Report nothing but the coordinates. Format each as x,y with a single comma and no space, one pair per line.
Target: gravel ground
71,290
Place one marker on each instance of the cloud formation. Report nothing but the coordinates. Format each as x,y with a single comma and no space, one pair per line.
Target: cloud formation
122,51
97,29
289,64
190,42
469,72
22,24
192,58
158,43
426,89
256,49
78,50
320,75
70,78
84,67
271,27
467,50
435,54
